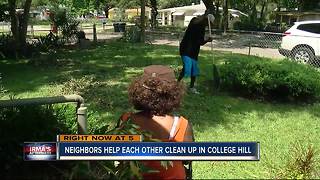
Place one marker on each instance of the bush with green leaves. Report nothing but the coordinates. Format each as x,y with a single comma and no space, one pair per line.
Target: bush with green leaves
2,89
42,124
6,44
66,23
29,123
48,42
275,80
132,34
248,24
7,51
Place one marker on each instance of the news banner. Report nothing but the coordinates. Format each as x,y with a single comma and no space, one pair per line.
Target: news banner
131,147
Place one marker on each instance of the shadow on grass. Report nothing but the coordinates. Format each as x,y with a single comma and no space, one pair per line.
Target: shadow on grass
106,62
115,65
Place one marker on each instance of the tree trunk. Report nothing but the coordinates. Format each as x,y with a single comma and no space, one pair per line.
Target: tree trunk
142,20
225,16
300,5
214,9
97,5
24,25
106,10
14,24
209,6
253,15
154,13
19,25
263,10
278,6
217,23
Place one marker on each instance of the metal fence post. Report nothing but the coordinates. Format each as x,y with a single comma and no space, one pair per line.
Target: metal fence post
94,33
32,30
81,109
250,39
82,119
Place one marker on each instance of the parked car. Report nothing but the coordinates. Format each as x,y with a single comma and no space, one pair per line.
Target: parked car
302,42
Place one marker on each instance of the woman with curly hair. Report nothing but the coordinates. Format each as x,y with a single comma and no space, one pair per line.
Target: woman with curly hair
156,94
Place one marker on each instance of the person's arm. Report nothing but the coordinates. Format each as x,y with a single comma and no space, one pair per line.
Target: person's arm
195,24
205,40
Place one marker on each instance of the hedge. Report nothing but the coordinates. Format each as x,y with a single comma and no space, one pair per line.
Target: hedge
266,78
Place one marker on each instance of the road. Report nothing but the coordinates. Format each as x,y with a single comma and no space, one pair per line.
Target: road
256,51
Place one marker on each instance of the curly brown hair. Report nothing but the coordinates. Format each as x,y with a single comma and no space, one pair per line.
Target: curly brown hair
155,95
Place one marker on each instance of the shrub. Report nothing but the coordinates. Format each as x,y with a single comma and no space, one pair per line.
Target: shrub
6,44
278,80
7,49
248,24
132,34
48,42
42,124
67,24
2,89
28,123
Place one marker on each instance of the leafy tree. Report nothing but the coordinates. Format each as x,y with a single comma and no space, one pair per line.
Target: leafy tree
106,6
250,7
217,14
288,4
308,5
36,3
3,9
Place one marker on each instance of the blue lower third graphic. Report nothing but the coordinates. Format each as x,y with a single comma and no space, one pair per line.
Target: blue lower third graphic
159,151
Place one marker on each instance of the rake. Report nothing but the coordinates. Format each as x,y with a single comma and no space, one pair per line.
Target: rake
215,72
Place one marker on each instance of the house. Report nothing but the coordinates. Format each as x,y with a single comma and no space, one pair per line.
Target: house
128,14
32,13
181,16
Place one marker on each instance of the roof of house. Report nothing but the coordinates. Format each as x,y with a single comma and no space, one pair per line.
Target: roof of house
198,8
131,10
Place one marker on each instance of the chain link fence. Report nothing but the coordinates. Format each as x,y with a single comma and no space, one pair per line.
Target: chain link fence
303,49
103,31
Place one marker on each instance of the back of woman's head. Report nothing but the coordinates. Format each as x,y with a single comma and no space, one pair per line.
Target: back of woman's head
156,91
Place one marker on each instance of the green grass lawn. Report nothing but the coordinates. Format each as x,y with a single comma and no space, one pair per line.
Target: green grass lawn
215,116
